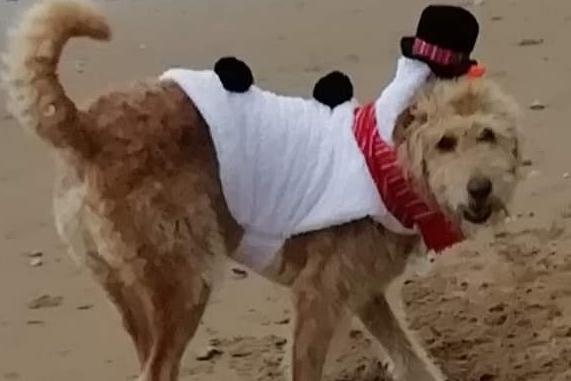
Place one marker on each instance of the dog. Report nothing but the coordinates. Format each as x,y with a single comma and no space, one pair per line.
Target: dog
139,199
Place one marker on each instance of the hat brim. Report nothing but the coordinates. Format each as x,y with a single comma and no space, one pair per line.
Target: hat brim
441,71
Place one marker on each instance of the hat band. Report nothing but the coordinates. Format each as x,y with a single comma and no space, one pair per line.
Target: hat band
436,54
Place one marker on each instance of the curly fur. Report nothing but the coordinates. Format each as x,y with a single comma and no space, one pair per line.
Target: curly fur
36,97
139,199
462,110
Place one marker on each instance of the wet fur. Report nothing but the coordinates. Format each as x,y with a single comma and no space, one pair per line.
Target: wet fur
138,199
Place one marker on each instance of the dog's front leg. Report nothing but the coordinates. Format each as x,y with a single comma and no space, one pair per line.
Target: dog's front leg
410,361
318,313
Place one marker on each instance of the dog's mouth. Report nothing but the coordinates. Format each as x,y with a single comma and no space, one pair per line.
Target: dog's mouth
478,215
479,212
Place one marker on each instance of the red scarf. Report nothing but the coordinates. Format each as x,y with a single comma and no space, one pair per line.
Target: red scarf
396,192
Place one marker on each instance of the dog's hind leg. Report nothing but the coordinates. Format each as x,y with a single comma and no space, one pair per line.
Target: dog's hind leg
410,361
161,302
172,322
125,299
159,257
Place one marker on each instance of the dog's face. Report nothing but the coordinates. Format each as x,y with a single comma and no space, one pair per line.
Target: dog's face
461,147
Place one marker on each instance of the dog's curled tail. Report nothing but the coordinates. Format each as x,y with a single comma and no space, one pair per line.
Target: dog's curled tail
35,95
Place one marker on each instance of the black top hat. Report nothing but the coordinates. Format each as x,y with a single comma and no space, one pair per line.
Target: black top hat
445,37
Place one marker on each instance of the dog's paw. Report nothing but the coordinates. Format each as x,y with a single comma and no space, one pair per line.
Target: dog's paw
234,74
333,89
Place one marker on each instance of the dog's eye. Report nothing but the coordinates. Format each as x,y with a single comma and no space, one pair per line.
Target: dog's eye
487,136
447,144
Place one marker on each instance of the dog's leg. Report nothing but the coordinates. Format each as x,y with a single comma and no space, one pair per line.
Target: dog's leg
410,361
125,300
315,325
161,310
156,264
318,312
172,323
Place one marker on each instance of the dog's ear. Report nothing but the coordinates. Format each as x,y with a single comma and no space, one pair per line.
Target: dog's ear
411,115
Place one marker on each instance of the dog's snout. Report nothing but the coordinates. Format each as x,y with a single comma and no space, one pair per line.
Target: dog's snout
479,187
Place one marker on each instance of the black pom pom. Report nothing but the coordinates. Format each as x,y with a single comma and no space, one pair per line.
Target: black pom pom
234,74
333,89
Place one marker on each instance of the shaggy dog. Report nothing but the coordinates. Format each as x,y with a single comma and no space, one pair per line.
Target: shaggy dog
138,196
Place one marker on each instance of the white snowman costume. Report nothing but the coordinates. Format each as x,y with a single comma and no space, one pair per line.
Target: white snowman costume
291,165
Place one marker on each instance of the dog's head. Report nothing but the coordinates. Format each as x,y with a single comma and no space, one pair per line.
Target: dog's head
459,142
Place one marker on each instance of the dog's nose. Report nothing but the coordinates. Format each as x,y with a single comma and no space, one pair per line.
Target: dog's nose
479,187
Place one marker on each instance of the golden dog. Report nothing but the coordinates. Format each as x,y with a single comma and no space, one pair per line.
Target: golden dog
138,197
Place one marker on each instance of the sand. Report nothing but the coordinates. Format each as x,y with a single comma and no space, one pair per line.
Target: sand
496,308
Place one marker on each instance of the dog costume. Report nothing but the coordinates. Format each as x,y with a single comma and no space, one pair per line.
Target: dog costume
445,38
291,165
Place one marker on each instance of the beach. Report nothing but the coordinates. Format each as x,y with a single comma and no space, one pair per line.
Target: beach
495,308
